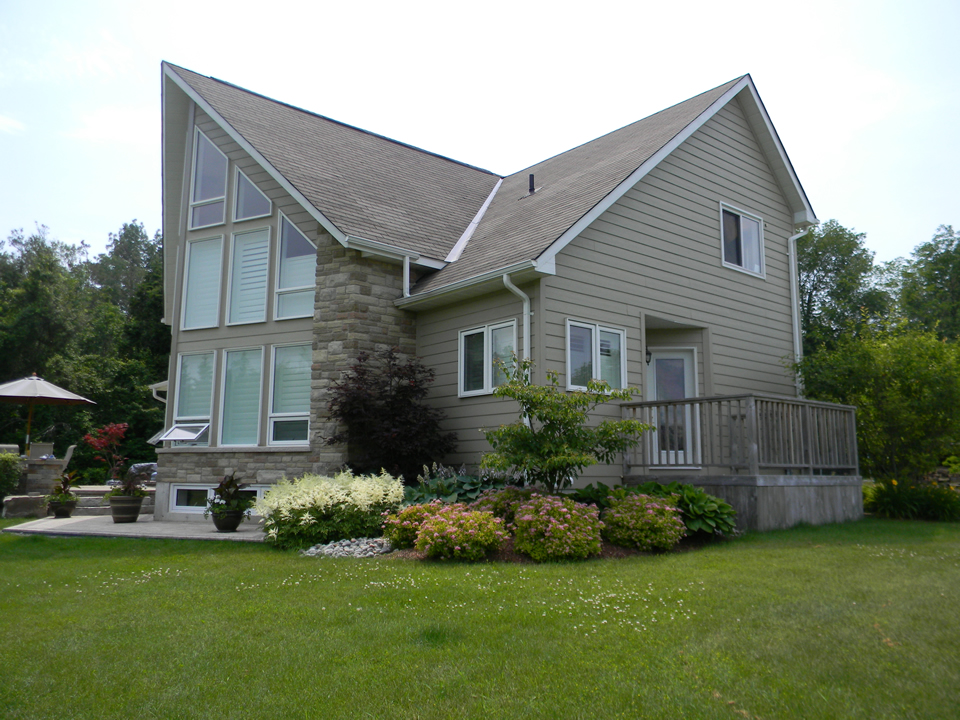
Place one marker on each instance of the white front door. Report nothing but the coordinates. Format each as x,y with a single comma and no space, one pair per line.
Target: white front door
672,375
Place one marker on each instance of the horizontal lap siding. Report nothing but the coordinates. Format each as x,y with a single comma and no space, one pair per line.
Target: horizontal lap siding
438,333
657,251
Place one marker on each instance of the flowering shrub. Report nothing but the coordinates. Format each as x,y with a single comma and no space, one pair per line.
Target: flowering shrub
455,532
644,522
401,528
553,528
315,509
502,502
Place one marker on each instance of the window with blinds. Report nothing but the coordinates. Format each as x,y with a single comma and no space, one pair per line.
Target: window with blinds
248,277
290,396
240,407
201,286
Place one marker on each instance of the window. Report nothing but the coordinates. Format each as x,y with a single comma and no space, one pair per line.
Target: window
742,240
290,395
595,352
480,348
251,203
201,286
194,397
208,197
240,406
192,498
248,277
296,273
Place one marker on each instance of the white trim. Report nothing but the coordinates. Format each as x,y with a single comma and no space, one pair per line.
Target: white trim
266,290
252,152
795,305
486,331
179,419
236,197
271,415
457,249
277,290
547,268
186,278
192,204
223,398
596,329
692,451
258,488
191,432
733,210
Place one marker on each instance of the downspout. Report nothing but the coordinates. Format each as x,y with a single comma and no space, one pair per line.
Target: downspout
406,276
526,313
795,305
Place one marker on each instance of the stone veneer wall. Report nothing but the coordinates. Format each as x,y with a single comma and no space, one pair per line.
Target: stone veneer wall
354,313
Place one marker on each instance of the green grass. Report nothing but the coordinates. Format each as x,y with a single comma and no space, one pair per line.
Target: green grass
845,621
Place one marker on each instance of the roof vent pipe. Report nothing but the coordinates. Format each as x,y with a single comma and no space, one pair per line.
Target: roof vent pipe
532,189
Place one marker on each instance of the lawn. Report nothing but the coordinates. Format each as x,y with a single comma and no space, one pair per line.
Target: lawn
846,621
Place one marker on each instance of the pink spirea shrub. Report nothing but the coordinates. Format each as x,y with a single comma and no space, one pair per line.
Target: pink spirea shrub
455,532
401,528
502,502
554,528
644,522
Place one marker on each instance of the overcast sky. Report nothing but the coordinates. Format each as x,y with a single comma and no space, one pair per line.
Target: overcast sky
865,95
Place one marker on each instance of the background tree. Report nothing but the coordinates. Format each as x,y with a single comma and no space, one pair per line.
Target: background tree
840,288
930,294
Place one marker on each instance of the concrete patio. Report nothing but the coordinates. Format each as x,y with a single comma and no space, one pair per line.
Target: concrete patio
144,527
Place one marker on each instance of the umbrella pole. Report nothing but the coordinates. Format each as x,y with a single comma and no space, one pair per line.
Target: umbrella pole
29,420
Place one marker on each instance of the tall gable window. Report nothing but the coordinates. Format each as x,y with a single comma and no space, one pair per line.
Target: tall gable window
595,352
240,413
296,273
194,397
251,203
208,195
480,349
248,277
201,286
742,240
290,395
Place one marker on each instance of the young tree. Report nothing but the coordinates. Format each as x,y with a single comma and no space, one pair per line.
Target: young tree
551,442
386,425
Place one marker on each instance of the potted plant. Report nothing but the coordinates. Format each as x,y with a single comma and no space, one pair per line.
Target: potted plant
61,501
126,496
229,504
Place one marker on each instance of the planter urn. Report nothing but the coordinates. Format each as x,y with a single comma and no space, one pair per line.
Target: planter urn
125,508
60,509
228,521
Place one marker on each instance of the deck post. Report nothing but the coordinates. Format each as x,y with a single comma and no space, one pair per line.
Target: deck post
753,450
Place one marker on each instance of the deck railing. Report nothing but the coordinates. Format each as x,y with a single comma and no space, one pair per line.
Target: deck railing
752,434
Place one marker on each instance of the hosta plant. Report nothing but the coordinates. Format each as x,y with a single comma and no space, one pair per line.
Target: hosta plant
444,483
643,522
401,528
457,533
548,527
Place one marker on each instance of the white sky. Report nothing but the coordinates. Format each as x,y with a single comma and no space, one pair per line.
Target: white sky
865,95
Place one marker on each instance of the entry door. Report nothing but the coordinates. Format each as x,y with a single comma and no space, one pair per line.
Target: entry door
673,376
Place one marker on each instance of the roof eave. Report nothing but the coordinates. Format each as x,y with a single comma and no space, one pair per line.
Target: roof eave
477,285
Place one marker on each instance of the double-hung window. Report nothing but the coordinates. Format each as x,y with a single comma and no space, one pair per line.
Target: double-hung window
208,196
240,406
742,240
194,397
595,352
248,277
201,286
480,350
290,395
296,273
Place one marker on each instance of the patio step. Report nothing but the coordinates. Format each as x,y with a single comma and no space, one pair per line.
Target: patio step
90,501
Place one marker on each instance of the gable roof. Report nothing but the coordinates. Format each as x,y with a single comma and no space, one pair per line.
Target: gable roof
359,184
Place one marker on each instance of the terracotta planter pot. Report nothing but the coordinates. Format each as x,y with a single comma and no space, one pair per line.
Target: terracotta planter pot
228,521
61,510
124,508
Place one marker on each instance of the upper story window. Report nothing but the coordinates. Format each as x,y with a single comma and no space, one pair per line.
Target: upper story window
248,277
742,240
480,349
201,286
595,352
208,196
194,397
296,273
251,203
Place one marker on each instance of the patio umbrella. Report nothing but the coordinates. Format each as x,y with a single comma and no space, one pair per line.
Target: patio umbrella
32,391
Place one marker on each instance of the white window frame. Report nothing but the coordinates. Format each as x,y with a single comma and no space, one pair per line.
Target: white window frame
266,290
194,425
272,417
223,402
596,329
260,490
277,291
236,198
218,272
733,266
193,181
488,386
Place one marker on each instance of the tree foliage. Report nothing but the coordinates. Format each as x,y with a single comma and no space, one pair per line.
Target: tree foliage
930,293
552,442
386,425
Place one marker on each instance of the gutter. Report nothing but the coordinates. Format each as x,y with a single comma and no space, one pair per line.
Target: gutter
391,252
540,267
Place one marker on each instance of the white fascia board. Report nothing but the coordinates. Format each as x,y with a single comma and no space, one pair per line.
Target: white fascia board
535,265
457,249
250,150
390,252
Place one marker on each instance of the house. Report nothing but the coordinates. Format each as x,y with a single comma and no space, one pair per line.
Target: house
659,256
